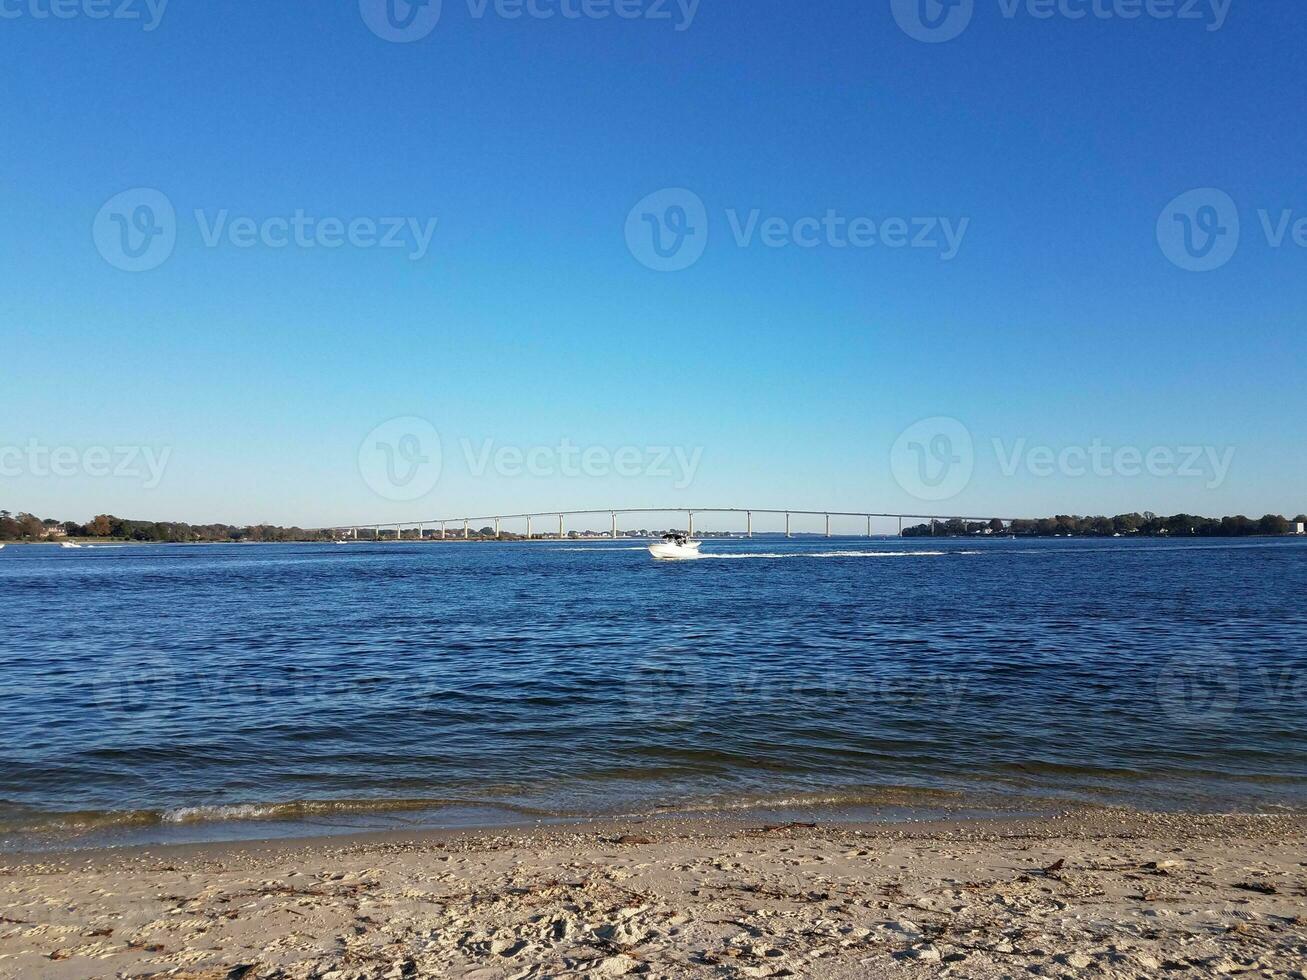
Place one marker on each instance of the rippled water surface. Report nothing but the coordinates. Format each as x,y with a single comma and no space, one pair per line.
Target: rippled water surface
164,691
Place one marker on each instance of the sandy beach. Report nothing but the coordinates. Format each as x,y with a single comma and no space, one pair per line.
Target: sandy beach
1099,892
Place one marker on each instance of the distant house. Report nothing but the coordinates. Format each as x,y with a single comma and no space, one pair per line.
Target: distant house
54,532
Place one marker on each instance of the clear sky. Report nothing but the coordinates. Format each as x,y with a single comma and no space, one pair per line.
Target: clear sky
1063,319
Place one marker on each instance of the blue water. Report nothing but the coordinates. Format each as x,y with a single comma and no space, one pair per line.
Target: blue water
178,692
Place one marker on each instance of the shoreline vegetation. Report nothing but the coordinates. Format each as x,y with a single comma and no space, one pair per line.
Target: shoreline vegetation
27,528
1107,892
1146,525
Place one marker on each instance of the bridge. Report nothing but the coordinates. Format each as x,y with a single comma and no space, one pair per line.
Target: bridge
462,526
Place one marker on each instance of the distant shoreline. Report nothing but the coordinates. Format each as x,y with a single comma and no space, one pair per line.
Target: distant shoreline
452,539
107,529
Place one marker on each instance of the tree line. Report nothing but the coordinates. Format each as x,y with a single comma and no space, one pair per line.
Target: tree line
1146,524
28,527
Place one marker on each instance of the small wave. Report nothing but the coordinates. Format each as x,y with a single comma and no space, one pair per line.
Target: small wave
300,809
784,554
91,820
883,796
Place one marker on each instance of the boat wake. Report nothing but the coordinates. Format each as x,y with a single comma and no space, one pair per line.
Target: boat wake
638,547
837,554
767,555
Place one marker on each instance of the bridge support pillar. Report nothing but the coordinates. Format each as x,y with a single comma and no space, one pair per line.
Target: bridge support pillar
828,525
465,535
749,523
787,526
614,526
497,529
690,515
528,528
868,527
442,530
560,527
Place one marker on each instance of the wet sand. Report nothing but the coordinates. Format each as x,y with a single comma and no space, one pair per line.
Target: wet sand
1102,893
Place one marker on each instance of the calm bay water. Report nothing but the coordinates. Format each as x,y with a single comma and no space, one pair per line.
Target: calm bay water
174,692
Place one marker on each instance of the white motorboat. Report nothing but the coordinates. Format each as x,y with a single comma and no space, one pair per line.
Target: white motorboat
675,547
68,544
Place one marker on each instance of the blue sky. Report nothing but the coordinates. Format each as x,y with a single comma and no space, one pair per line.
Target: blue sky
530,323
